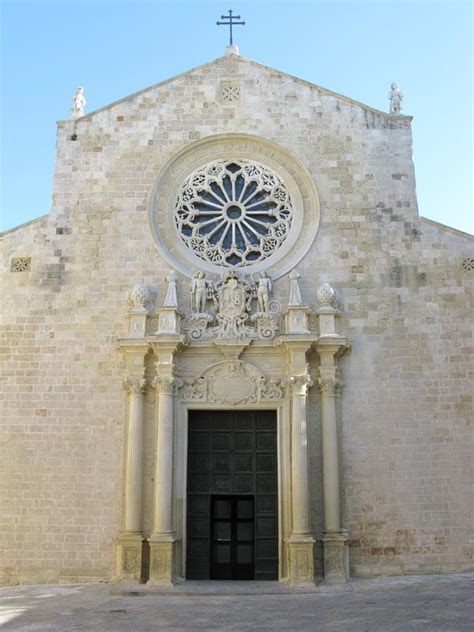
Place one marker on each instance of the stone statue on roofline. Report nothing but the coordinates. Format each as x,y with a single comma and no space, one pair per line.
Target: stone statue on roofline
396,97
78,103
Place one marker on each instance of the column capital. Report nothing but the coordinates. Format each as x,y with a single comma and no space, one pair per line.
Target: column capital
328,386
166,384
134,385
300,383
328,380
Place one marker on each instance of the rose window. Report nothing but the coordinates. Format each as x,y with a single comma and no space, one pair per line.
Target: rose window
233,213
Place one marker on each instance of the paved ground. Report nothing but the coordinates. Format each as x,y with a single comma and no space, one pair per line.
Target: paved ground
438,602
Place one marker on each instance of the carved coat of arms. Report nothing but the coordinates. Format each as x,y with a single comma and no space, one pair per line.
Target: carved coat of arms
232,297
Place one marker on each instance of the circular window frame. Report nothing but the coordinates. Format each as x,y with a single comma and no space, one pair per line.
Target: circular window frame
300,185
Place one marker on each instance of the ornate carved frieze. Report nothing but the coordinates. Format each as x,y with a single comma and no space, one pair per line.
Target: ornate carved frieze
231,318
232,382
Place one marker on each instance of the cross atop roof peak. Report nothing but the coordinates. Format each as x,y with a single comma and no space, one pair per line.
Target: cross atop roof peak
230,22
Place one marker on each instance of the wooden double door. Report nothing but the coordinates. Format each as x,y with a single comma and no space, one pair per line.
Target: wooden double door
232,495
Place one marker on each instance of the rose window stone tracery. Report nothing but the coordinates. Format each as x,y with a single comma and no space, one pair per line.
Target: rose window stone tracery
233,213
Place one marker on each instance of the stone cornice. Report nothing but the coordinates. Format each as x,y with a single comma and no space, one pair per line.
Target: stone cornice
336,345
132,345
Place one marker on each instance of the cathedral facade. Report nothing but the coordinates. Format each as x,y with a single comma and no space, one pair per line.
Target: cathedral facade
233,349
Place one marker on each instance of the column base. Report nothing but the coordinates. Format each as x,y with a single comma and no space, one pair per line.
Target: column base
336,556
162,560
129,555
301,560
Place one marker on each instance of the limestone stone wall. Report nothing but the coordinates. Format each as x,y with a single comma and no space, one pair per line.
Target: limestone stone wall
407,400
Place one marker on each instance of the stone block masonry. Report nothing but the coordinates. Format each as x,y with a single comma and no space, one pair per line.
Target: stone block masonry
406,408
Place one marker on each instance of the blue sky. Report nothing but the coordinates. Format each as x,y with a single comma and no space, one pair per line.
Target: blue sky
115,48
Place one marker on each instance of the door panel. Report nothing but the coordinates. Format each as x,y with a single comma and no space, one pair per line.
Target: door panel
232,538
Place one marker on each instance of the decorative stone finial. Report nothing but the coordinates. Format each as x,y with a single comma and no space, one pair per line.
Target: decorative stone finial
326,295
138,297
329,301
171,299
78,103
396,97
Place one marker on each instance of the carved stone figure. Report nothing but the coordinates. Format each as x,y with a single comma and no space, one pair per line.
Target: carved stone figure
264,289
199,290
396,96
295,299
171,299
78,103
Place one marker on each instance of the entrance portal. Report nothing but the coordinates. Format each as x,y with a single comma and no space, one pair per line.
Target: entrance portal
232,495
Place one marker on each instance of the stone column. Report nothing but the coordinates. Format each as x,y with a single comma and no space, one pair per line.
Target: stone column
299,456
334,538
130,540
162,540
133,468
301,542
